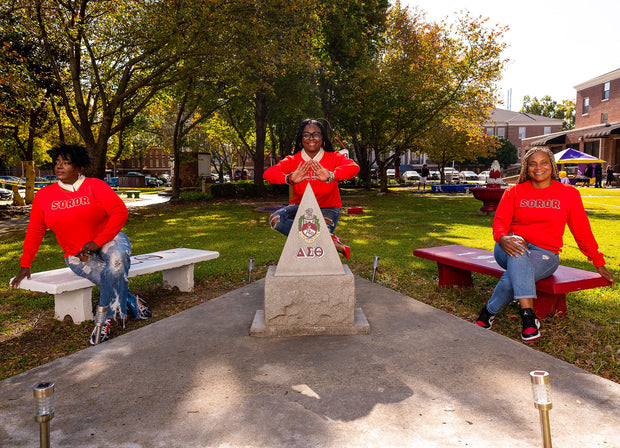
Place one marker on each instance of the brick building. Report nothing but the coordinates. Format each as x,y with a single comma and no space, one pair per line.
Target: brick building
517,126
597,122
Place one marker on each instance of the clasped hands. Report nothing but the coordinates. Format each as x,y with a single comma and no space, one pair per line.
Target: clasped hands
301,173
87,249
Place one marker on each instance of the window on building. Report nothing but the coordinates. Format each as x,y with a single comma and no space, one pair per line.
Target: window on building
522,132
501,132
547,130
606,91
604,117
586,105
489,131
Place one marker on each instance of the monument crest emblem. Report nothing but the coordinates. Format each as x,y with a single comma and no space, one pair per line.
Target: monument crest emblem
309,227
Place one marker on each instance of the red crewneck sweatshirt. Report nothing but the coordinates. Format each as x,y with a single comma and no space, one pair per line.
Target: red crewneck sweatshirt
92,213
540,216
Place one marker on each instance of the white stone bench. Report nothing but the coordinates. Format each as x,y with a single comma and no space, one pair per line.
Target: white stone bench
73,294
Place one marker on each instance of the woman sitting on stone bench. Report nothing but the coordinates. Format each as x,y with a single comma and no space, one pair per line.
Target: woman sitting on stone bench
313,161
528,229
87,217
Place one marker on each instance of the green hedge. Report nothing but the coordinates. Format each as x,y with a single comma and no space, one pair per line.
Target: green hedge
244,189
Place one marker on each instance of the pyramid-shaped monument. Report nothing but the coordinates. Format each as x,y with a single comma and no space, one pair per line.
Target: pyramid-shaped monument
310,291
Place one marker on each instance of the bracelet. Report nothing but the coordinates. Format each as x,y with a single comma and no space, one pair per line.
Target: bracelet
331,177
286,179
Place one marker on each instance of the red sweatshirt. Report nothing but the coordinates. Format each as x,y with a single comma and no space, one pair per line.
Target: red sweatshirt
327,194
540,216
92,213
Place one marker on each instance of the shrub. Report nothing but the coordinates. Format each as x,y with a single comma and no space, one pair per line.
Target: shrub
244,189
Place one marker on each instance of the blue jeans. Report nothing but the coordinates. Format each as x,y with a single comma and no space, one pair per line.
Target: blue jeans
522,273
286,216
108,268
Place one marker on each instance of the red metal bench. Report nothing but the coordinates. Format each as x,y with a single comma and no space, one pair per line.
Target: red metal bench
456,263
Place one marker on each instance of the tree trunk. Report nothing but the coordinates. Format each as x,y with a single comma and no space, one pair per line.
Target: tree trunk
260,118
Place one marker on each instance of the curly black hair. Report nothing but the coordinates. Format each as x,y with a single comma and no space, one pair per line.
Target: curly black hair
77,154
327,144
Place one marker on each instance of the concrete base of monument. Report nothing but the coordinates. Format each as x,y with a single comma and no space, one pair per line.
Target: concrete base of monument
309,305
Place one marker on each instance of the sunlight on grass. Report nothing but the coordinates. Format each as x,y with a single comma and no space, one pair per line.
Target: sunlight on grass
391,226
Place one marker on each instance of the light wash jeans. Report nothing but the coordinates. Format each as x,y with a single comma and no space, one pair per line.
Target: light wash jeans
108,268
522,273
287,216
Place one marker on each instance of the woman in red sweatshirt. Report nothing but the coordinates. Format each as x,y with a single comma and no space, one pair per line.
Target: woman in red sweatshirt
87,217
313,162
528,228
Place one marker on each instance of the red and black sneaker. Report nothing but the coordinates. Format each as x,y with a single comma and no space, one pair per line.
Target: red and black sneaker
531,325
105,332
485,319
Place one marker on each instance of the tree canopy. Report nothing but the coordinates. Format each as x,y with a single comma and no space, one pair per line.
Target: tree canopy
383,78
547,107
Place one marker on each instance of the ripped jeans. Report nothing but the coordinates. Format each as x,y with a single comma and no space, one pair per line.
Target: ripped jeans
522,273
108,268
282,219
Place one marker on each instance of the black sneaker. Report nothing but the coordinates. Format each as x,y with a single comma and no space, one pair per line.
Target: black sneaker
105,332
531,325
485,319
143,311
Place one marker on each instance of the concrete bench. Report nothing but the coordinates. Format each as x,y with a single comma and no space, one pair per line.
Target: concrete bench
456,263
73,294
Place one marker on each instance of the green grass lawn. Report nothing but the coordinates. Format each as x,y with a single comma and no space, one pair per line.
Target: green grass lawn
392,226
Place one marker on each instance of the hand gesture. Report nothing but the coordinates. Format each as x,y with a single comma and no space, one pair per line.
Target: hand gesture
320,171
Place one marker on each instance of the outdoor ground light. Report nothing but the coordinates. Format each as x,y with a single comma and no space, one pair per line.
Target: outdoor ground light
375,265
541,388
44,406
102,311
250,268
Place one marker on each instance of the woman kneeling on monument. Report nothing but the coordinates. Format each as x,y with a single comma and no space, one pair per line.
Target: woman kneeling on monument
528,228
313,162
87,217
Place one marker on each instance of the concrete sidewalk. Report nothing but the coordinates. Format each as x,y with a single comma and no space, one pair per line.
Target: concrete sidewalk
422,378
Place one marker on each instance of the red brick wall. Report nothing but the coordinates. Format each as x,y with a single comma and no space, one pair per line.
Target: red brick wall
597,105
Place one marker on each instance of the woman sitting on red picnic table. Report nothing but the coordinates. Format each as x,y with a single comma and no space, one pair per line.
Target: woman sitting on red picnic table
528,229
313,162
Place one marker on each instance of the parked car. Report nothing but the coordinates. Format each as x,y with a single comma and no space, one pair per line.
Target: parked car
434,175
240,175
390,172
410,176
5,195
153,182
468,176
9,179
112,181
484,176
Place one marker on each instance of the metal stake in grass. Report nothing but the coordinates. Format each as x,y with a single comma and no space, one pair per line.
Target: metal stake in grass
250,269
375,265
99,320
541,388
44,407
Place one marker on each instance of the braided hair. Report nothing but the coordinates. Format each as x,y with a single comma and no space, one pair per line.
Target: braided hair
524,176
327,144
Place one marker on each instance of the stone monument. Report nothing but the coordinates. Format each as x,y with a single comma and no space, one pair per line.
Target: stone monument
309,292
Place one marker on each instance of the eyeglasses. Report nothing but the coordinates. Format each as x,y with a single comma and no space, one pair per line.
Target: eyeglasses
62,162
312,135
